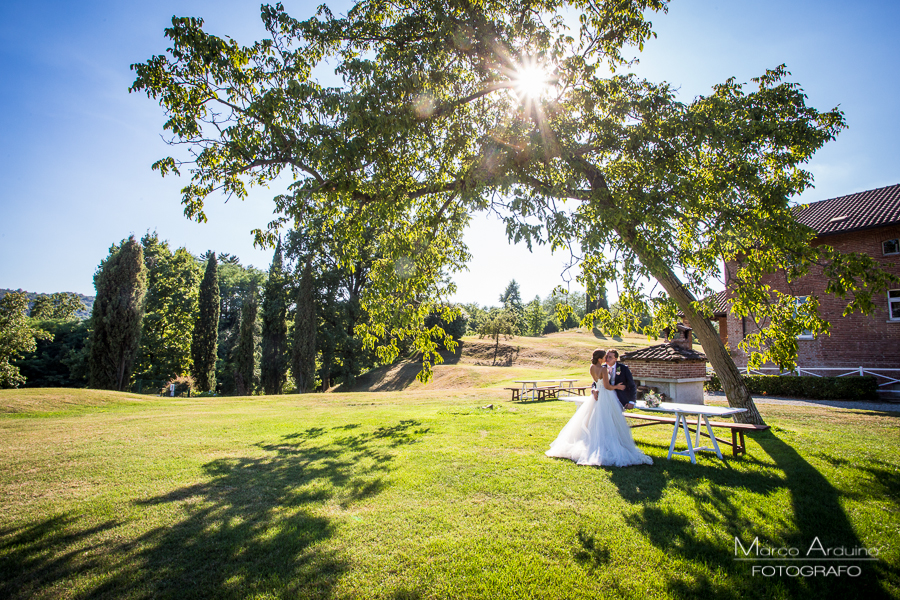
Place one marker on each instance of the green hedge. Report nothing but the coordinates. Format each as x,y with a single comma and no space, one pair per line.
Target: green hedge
807,386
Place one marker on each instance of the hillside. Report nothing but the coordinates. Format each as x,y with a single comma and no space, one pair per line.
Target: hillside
475,365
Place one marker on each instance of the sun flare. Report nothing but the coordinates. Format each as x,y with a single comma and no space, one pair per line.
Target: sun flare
531,81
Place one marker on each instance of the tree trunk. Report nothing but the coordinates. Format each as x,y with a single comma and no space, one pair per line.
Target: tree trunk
120,375
735,389
496,348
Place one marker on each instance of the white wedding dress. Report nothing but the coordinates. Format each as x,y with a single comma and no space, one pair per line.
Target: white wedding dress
597,434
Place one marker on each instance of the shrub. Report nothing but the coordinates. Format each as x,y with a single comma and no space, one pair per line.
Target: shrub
807,386
184,384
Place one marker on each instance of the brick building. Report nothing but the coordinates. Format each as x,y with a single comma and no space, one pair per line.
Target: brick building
866,222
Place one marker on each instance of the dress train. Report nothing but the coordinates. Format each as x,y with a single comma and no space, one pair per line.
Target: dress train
597,434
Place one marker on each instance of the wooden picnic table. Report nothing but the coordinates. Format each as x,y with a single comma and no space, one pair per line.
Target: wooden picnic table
555,387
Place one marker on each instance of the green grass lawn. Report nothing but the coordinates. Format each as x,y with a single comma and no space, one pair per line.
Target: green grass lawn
420,494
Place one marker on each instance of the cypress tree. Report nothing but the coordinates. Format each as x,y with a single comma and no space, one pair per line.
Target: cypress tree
303,357
245,371
206,329
121,284
274,364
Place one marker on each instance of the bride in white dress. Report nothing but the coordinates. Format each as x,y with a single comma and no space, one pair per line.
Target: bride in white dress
597,433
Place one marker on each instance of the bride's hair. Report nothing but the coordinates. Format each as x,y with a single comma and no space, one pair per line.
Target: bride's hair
598,356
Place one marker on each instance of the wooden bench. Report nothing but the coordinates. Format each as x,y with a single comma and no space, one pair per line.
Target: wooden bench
579,389
737,429
550,391
543,393
553,391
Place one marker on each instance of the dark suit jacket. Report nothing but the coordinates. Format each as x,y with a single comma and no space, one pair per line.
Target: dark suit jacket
623,375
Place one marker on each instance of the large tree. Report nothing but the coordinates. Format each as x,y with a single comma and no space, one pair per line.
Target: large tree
448,107
535,318
246,360
121,284
511,299
18,335
170,310
57,361
235,283
303,351
338,281
61,305
204,341
274,364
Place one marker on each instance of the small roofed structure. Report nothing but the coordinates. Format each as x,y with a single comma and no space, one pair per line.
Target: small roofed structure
674,368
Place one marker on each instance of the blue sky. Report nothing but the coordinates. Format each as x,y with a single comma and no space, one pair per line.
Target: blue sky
77,148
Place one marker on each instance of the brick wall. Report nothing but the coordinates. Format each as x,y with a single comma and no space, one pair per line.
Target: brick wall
667,369
855,340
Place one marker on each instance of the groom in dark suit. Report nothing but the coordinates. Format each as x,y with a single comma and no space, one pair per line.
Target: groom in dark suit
620,377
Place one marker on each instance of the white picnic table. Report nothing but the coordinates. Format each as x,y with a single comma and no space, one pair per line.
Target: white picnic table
681,412
533,383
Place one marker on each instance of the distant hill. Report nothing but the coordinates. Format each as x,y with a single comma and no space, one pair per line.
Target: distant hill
81,314
484,363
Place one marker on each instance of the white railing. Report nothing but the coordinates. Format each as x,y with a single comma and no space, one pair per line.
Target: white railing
844,372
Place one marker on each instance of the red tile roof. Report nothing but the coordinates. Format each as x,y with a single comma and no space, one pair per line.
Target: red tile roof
863,210
720,305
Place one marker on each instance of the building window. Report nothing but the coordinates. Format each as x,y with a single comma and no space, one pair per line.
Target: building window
891,247
894,305
799,301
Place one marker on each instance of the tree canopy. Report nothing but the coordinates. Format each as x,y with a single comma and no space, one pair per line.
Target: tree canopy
450,107
61,305
18,335
170,310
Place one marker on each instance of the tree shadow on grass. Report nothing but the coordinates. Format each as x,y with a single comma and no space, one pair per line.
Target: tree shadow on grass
590,552
391,378
30,555
256,526
525,399
884,478
501,356
709,557
452,358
